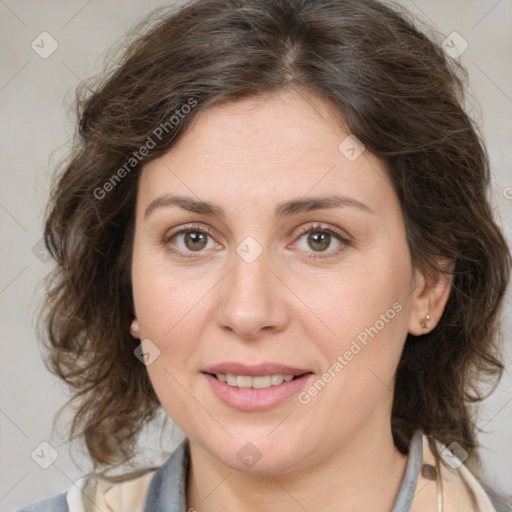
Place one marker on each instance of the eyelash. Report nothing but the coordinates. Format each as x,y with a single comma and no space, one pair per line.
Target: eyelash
317,227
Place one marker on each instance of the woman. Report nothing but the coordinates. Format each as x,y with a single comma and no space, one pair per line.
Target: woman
275,226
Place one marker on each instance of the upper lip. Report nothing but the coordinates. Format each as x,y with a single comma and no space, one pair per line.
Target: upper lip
234,368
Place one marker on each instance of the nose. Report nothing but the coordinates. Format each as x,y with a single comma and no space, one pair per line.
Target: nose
252,299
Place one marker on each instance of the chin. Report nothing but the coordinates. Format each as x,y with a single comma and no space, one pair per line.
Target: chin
258,453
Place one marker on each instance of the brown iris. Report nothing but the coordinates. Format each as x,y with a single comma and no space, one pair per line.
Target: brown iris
198,240
324,239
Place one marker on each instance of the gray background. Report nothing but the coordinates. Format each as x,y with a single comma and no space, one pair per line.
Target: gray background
35,94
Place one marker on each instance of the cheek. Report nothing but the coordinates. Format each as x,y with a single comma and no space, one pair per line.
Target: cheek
171,314
173,308
162,296
366,309
161,302
358,300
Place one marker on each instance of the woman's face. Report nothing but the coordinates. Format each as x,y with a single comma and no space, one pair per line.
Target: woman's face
284,248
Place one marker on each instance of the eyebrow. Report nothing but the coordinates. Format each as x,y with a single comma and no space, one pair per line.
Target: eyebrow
282,210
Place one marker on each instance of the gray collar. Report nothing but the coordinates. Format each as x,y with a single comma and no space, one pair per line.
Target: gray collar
167,491
412,470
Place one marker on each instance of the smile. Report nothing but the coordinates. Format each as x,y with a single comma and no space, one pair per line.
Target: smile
259,393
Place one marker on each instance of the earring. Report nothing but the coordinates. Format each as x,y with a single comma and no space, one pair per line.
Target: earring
423,321
134,328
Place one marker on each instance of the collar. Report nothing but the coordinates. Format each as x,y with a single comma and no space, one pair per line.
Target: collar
410,478
164,489
167,492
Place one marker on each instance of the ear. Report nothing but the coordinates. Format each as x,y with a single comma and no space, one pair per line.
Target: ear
135,329
430,295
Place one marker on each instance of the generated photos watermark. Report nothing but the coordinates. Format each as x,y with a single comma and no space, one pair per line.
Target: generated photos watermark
151,142
355,348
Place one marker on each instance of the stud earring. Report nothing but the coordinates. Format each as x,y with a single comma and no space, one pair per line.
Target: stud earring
134,328
423,321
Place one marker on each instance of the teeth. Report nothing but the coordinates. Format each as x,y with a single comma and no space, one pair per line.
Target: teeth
277,379
243,382
264,381
246,381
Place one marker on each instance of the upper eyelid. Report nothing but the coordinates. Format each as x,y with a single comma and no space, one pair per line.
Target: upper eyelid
320,226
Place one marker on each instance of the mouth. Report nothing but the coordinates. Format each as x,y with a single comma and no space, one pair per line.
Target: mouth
256,388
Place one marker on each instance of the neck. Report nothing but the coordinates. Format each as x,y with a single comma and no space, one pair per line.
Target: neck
363,474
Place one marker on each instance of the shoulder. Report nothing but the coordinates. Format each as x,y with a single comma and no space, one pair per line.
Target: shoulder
500,501
125,496
149,489
161,488
460,488
91,491
56,503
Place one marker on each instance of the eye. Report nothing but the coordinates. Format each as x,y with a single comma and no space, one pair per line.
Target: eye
189,239
192,239
319,238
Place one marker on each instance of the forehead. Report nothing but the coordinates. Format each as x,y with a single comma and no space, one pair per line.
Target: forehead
264,149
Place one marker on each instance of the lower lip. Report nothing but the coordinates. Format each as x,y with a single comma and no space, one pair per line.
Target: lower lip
249,399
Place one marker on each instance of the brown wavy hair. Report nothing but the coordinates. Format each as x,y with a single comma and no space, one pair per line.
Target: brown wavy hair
396,91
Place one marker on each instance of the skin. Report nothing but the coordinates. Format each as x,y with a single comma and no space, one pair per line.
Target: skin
248,156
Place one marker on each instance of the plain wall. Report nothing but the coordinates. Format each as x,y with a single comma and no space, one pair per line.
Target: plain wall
35,128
